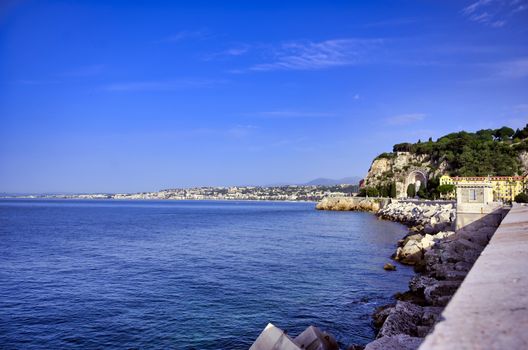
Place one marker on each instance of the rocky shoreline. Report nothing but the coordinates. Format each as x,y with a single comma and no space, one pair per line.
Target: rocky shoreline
441,257
352,204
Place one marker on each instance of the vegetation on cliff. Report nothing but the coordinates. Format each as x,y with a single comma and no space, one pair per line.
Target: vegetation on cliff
496,152
482,153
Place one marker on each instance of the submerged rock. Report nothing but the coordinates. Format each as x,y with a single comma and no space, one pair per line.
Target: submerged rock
389,267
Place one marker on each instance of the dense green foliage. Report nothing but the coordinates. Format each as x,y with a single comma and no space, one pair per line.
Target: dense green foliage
446,189
521,198
369,192
392,191
386,155
485,152
411,191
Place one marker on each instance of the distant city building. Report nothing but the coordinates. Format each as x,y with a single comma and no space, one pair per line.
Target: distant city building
504,188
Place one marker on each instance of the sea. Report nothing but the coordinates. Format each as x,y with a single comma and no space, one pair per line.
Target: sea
110,274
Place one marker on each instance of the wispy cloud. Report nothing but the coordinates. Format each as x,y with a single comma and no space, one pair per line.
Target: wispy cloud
405,119
471,9
515,69
161,85
483,17
236,51
293,114
233,51
494,13
187,35
521,7
498,24
309,55
240,131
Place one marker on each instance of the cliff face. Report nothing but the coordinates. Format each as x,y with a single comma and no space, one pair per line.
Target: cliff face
397,167
523,157
499,152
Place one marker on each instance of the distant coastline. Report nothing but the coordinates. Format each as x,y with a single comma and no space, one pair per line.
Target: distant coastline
289,193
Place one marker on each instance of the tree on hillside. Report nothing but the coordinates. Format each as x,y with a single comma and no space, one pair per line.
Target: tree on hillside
372,192
503,133
521,134
432,187
384,190
368,191
403,147
521,198
446,189
393,193
485,134
411,191
422,193
474,154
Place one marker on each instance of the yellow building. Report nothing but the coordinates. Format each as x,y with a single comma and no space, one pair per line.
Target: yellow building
505,188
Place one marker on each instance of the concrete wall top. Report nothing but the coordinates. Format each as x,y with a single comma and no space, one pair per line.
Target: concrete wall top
490,309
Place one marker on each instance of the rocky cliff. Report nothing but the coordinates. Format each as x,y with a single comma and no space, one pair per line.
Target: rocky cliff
485,152
397,168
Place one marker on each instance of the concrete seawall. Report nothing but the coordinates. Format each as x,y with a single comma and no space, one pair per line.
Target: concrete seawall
490,309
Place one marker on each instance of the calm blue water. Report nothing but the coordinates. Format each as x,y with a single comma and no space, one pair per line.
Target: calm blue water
187,275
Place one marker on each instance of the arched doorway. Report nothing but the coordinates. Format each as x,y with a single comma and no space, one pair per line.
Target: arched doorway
418,178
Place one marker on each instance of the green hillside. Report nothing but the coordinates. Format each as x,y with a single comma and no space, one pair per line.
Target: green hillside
485,152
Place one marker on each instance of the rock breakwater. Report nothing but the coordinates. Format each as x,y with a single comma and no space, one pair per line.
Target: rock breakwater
429,223
442,259
352,204
441,256
429,217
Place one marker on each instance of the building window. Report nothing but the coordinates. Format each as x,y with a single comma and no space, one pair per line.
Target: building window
472,195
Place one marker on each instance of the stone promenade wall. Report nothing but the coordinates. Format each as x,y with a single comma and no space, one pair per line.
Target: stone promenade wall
490,309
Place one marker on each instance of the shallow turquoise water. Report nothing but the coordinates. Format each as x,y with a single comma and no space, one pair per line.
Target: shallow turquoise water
187,275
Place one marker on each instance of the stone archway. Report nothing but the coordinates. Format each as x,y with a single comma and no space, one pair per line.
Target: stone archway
418,177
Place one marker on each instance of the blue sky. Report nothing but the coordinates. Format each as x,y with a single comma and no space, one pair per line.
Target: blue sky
122,96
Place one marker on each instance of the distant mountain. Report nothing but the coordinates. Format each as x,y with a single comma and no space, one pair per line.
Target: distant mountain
321,181
352,180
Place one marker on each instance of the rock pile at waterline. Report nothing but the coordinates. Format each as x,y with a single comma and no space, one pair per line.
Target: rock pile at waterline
427,217
351,204
442,258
